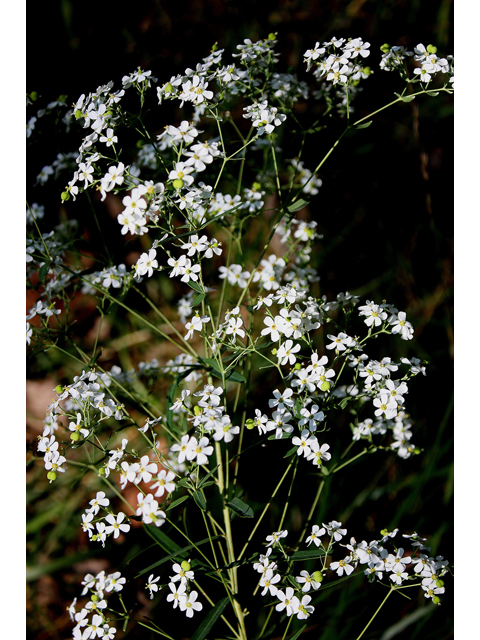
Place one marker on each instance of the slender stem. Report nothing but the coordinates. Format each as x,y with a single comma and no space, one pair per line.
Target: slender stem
265,510
376,612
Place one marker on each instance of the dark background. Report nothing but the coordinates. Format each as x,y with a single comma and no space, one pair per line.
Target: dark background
385,210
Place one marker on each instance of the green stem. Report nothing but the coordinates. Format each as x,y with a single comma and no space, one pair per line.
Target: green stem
265,510
376,612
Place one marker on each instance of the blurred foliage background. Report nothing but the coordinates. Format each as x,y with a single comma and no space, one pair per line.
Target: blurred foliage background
385,209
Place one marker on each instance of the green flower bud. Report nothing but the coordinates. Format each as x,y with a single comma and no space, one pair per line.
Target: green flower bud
436,600
65,196
33,96
215,47
197,410
367,71
274,352
271,36
440,583
168,87
385,48
325,386
318,576
94,539
94,597
256,186
431,49
185,565
178,184
51,475
250,424
101,471
78,114
59,389
297,366
75,436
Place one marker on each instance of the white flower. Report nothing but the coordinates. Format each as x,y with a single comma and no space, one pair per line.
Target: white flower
151,585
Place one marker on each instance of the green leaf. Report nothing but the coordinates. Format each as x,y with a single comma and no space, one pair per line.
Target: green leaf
205,478
344,403
432,93
299,633
195,286
175,503
180,553
290,452
364,125
198,299
210,620
311,554
163,540
42,274
240,508
200,500
405,98
296,206
232,375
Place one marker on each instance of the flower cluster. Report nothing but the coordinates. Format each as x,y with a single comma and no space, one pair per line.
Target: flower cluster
374,556
181,594
92,620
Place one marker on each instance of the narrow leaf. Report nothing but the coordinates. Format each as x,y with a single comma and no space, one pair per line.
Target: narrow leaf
175,503
180,553
299,633
200,500
311,554
240,508
198,299
364,125
296,206
210,620
195,286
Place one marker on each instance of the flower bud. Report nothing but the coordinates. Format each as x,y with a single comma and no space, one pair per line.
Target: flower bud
78,114
197,410
168,87
65,196
436,600
250,424
101,471
318,576
185,565
431,49
75,436
256,186
325,386
271,36
297,366
385,48
51,475
94,597
274,352
178,184
59,389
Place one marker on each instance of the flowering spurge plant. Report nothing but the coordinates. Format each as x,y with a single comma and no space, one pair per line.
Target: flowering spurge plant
190,192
